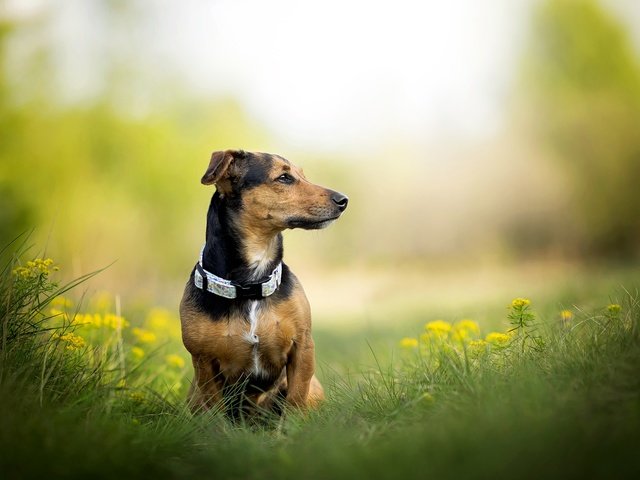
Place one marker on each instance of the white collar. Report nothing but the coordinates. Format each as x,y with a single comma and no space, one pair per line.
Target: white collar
222,287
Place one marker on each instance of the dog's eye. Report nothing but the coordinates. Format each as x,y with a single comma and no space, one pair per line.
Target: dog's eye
285,178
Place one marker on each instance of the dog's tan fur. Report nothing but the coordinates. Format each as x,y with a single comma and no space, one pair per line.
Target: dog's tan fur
221,353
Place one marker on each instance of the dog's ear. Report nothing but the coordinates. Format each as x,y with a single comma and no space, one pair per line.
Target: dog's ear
218,166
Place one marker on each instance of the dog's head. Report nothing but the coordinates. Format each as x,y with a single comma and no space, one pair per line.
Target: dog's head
272,192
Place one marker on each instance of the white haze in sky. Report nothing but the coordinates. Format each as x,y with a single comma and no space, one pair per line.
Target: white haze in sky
355,73
348,74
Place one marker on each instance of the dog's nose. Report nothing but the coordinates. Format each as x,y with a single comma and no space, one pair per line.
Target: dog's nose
340,200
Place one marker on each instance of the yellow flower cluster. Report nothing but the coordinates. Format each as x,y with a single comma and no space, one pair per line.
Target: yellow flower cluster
566,315
464,329
137,352
72,341
498,339
441,330
460,336
520,302
614,309
409,342
174,360
427,398
438,328
144,336
477,347
145,342
34,268
468,326
108,320
163,322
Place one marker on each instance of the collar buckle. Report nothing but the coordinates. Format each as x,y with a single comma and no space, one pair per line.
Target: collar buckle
249,291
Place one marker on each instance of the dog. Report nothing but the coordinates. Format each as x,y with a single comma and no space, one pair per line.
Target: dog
245,318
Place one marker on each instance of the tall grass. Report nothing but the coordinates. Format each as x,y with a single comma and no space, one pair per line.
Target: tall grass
548,397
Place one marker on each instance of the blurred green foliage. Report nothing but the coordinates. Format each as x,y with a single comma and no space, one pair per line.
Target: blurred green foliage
110,184
14,214
583,85
114,180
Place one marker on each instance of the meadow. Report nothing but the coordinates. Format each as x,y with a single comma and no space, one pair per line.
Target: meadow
475,311
92,387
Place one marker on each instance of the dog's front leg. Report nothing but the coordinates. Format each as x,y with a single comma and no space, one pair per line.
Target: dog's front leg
205,391
300,369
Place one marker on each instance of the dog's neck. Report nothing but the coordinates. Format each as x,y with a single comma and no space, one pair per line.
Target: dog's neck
233,249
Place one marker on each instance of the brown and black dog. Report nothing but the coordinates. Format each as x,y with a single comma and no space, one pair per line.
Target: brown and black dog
245,318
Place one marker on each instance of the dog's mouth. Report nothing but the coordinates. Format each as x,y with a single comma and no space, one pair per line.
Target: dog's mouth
311,223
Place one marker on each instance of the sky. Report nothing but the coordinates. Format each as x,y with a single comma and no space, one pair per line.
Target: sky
351,74
352,70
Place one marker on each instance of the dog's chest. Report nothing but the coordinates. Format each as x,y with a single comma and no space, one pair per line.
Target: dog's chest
256,342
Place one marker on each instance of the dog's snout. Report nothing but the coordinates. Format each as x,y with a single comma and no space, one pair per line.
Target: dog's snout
340,200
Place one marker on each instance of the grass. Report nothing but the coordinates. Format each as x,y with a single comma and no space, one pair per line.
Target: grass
549,398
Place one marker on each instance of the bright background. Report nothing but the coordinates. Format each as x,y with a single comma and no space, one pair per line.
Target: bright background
489,149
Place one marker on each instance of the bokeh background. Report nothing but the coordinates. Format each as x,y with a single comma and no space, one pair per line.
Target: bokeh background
490,149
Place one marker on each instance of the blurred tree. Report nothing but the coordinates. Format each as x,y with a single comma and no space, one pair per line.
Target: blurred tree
583,83
109,180
16,214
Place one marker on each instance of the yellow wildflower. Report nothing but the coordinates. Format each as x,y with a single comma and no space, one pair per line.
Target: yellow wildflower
439,328
465,329
614,308
477,347
82,319
73,341
566,315
175,360
427,398
137,352
158,319
163,322
115,321
409,342
21,272
43,264
468,325
520,302
96,319
34,268
497,339
144,336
